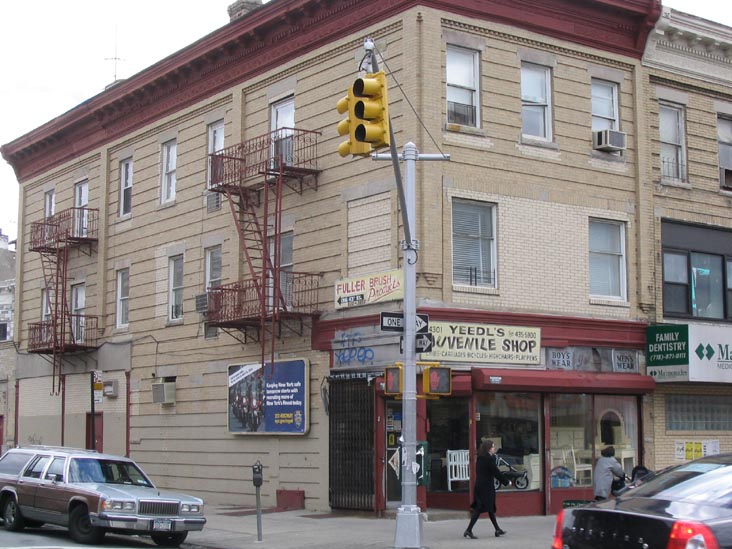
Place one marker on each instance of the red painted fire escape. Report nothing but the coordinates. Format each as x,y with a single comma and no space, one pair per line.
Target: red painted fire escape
252,176
60,331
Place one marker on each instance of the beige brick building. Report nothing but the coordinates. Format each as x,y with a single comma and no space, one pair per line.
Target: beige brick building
213,227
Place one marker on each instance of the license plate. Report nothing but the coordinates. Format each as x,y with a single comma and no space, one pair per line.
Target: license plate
162,524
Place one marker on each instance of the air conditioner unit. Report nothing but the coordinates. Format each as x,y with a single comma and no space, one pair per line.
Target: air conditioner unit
163,393
608,140
202,303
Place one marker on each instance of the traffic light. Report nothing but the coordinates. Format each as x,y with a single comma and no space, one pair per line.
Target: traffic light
347,126
437,380
371,110
393,380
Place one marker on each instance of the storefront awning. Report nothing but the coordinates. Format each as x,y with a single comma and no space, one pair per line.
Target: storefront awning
504,379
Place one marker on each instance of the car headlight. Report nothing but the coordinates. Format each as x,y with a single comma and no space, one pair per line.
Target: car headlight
118,505
190,508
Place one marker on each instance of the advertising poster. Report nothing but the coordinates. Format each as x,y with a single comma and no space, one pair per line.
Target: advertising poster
269,400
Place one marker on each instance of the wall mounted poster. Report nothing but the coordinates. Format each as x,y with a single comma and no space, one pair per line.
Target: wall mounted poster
269,400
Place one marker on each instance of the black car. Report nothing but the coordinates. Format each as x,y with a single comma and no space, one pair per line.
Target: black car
684,507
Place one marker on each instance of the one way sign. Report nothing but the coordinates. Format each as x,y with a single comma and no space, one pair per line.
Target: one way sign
423,343
394,322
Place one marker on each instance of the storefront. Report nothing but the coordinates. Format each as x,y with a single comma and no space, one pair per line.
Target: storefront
550,392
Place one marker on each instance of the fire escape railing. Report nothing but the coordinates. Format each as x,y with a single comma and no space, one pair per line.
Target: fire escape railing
72,226
81,333
240,301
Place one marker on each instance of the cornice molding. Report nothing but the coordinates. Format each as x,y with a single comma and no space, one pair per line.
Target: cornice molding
282,30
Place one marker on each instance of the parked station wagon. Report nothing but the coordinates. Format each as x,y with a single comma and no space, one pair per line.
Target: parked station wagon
91,494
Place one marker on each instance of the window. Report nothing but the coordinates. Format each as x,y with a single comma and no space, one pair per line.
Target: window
695,284
78,307
175,287
125,187
473,243
215,144
213,266
724,131
536,101
604,105
49,203
168,172
45,305
81,212
286,280
3,331
462,86
672,135
123,298
282,124
607,259
694,413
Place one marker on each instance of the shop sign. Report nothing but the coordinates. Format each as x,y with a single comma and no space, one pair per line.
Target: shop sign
707,351
369,289
269,401
463,342
624,361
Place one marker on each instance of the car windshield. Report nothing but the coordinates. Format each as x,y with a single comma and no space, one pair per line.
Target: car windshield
106,471
705,481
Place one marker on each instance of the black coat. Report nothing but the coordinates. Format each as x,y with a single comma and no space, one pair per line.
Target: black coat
485,492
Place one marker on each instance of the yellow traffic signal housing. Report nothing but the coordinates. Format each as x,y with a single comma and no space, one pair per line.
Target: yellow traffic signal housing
393,380
371,110
437,380
347,126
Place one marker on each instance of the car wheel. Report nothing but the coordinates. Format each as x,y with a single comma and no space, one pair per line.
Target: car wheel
12,517
521,482
81,529
171,539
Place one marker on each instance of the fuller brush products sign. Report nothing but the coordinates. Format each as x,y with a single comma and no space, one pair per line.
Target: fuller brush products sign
269,400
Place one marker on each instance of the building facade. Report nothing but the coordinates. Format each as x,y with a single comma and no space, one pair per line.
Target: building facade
208,275
7,349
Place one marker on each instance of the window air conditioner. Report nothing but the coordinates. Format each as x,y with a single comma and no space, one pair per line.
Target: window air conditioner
608,140
202,303
163,393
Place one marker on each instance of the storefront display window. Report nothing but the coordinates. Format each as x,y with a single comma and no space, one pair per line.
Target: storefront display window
616,425
512,421
570,440
448,430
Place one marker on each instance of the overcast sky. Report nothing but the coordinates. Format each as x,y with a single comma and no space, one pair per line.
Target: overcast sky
56,54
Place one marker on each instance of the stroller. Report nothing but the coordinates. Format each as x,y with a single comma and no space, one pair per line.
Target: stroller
520,479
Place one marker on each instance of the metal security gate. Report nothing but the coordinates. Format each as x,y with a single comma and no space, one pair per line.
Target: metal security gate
351,419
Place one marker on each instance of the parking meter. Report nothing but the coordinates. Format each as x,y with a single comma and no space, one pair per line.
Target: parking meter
257,477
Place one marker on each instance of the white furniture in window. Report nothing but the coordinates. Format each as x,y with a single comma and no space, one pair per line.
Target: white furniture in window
458,466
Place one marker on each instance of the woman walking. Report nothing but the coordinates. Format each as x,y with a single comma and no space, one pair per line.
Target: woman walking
485,492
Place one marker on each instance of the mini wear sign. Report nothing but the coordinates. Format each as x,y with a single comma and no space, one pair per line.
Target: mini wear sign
368,289
457,341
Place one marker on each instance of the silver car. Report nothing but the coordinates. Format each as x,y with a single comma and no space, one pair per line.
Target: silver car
91,494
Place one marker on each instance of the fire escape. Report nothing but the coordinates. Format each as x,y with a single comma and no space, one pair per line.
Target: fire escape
252,176
61,330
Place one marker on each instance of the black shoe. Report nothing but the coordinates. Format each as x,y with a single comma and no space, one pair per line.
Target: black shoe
500,533
469,534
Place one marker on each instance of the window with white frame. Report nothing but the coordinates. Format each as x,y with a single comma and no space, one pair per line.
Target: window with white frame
78,308
123,298
724,132
213,266
215,144
673,141
462,86
175,287
81,210
473,243
604,105
607,259
168,171
49,203
536,106
286,266
125,187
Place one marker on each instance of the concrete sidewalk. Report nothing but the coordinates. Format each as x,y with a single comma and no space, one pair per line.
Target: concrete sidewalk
229,528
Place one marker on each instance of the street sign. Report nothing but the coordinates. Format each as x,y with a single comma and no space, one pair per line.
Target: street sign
394,322
423,343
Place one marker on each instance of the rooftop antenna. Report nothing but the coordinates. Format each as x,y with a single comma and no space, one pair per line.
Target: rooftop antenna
115,58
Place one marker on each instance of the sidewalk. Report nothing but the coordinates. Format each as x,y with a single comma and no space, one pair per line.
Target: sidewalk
232,528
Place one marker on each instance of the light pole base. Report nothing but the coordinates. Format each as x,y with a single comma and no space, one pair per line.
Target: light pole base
408,528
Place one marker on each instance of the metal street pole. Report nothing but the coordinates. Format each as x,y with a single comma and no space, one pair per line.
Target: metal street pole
409,517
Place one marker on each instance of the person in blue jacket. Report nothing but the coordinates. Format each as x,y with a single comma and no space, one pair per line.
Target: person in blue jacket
484,497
